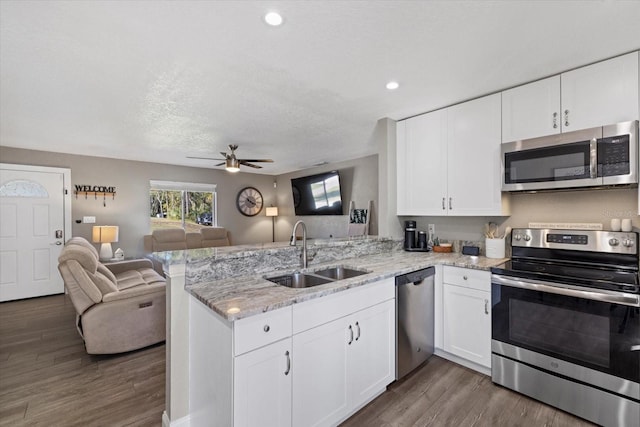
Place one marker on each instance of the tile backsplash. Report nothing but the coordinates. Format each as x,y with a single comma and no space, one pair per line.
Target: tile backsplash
580,206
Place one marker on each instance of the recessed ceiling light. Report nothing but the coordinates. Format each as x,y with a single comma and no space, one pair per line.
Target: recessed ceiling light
273,18
393,85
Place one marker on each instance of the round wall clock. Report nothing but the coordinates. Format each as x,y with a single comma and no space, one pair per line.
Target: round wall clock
249,201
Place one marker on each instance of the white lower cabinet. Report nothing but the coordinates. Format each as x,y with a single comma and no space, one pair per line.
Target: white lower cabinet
466,323
320,377
466,314
341,365
262,386
311,364
372,356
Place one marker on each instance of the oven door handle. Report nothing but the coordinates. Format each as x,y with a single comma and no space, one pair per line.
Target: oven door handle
568,290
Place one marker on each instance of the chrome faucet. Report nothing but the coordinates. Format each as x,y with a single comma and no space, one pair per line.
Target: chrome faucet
292,242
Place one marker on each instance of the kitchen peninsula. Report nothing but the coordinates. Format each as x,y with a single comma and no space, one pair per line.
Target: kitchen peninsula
227,321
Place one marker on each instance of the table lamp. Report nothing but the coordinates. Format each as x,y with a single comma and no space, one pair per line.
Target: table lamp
272,211
105,234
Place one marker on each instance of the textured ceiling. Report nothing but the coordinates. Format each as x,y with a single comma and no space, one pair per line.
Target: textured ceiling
161,80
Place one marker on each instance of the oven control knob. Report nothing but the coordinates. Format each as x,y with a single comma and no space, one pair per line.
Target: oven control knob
613,242
527,237
627,243
517,237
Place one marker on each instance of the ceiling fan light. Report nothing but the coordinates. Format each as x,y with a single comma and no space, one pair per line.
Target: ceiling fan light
232,165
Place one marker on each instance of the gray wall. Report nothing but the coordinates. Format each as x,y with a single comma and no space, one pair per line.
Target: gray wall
358,182
130,209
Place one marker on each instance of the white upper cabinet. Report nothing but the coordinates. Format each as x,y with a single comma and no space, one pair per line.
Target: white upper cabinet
473,158
422,164
600,94
448,161
531,110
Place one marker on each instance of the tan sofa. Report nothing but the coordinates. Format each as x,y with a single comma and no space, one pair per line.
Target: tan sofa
213,237
120,306
175,239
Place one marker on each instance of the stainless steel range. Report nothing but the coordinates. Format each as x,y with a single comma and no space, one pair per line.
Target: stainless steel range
566,322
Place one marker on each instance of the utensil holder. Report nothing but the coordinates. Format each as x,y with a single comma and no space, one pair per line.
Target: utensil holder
495,248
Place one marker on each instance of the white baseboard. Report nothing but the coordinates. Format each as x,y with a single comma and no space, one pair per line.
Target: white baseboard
464,362
182,422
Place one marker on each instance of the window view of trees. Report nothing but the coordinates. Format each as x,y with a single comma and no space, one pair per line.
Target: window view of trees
190,210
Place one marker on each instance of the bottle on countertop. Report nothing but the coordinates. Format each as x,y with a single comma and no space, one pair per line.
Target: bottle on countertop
422,240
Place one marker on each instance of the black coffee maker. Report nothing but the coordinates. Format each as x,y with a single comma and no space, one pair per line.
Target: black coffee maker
409,234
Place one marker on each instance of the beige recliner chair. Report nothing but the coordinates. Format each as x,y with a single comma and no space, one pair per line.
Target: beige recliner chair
120,307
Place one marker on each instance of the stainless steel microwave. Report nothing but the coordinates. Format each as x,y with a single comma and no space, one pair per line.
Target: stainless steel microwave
602,156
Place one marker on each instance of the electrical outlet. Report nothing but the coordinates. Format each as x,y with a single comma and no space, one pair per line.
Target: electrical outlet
89,219
432,229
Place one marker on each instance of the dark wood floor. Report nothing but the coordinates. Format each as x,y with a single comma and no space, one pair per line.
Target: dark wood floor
442,393
47,379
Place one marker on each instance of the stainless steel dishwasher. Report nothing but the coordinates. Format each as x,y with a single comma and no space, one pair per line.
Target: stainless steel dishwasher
414,319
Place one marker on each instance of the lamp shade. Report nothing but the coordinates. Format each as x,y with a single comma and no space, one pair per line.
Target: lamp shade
105,233
272,211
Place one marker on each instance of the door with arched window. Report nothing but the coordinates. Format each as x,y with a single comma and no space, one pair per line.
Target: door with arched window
33,229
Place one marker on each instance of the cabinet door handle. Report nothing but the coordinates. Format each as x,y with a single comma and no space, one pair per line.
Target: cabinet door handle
486,306
464,277
286,354
350,335
450,207
566,117
555,120
358,326
266,328
443,207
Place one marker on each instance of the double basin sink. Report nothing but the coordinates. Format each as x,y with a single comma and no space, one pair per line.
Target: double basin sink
315,278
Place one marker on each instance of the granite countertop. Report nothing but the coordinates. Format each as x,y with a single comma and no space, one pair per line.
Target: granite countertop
248,295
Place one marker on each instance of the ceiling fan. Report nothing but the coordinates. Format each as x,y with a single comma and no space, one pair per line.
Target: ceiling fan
232,163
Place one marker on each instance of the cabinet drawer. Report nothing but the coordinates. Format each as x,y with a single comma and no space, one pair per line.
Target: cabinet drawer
319,311
257,331
467,277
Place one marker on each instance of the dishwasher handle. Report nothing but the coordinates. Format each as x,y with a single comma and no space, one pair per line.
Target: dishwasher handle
415,277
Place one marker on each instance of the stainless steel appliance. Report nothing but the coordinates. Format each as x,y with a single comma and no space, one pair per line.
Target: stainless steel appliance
601,156
566,322
414,323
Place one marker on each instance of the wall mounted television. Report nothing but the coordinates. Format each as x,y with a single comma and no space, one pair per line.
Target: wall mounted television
317,194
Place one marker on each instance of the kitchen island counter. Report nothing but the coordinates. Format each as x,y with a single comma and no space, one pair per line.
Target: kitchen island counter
228,285
247,295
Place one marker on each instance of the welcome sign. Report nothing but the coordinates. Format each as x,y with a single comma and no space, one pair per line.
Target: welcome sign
94,189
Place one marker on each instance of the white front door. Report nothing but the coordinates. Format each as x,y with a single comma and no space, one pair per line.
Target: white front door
33,229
